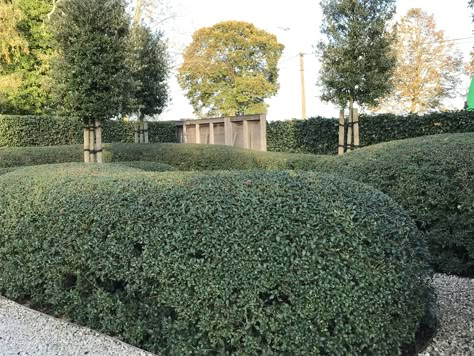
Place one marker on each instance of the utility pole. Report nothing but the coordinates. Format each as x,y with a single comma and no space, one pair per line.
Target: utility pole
303,95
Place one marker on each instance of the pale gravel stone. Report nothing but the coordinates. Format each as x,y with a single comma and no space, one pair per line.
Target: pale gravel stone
455,336
25,332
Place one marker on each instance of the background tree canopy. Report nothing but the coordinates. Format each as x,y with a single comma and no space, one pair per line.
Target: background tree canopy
26,53
356,58
230,69
428,66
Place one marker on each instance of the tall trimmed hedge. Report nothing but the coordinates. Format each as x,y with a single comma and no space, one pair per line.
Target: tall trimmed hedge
240,263
432,177
320,135
48,131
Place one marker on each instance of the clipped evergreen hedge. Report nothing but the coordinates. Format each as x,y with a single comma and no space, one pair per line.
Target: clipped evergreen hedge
320,135
432,177
217,263
25,130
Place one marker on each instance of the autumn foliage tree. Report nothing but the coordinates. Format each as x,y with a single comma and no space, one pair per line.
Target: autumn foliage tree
230,69
428,66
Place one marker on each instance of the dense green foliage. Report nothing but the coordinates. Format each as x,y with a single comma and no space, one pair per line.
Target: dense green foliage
433,179
232,262
25,71
319,135
91,75
357,61
47,131
230,69
148,67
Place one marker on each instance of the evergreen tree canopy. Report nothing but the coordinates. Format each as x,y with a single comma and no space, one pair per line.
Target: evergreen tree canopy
92,74
149,68
230,69
357,62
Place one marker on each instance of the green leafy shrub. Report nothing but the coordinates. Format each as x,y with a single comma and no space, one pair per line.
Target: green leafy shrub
216,263
184,157
320,135
25,130
432,177
147,166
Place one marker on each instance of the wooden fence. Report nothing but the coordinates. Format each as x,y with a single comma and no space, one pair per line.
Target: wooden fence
247,131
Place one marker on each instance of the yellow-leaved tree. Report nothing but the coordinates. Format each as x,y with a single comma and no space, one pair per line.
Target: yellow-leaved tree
428,66
230,69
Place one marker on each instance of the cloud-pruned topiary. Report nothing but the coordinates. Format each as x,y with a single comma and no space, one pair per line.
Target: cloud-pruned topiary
215,263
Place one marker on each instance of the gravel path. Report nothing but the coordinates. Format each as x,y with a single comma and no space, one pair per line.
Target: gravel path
25,332
455,336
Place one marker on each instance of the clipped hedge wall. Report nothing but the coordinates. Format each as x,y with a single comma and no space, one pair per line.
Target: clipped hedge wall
48,131
432,177
320,135
232,262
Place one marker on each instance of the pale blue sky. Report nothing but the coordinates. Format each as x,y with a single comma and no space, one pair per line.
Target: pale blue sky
302,18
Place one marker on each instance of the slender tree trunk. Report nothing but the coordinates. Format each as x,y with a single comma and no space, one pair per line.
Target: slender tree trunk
98,141
349,126
145,127
340,150
142,131
91,143
86,144
355,118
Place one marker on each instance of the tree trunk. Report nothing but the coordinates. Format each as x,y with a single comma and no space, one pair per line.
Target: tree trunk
340,150
98,141
355,118
91,143
142,131
145,128
349,125
86,144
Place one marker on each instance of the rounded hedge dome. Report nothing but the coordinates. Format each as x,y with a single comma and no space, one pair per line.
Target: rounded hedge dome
215,263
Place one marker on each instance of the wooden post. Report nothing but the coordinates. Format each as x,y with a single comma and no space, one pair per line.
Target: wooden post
98,141
356,129
198,133
263,132
86,144
145,127
211,133
349,132
227,131
246,134
340,150
91,143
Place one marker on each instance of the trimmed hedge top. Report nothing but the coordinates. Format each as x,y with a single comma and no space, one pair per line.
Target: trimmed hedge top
18,130
215,263
432,177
